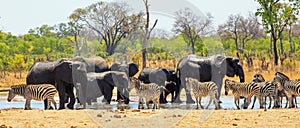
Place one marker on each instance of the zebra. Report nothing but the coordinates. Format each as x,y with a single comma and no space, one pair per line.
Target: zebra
150,91
36,92
291,88
201,89
269,89
247,89
257,79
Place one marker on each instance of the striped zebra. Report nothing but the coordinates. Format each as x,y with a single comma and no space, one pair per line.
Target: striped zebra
257,79
291,88
35,92
242,89
149,91
202,89
268,89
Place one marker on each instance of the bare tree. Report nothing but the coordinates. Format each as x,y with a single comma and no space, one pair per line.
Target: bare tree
111,21
230,29
191,26
249,29
147,34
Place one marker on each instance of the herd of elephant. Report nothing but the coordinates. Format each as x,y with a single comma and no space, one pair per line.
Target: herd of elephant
93,77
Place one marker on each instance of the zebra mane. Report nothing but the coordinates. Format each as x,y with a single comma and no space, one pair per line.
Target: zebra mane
18,89
281,75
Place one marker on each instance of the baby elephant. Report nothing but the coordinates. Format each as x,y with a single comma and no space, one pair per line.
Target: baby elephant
202,89
36,92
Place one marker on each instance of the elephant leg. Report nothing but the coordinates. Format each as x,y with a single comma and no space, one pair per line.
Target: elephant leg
189,99
108,96
119,97
72,100
218,80
89,101
172,97
177,94
62,93
162,98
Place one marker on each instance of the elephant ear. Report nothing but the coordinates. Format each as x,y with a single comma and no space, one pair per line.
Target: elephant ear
80,59
115,67
133,69
218,60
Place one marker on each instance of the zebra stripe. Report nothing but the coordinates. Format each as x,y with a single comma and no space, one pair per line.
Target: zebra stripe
268,89
242,89
290,88
202,89
149,91
33,92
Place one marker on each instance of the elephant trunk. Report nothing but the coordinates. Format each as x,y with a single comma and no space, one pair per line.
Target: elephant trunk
240,73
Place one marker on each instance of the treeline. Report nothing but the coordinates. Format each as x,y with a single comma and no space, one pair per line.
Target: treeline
111,31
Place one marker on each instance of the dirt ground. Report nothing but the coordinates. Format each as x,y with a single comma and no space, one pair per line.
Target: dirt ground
18,118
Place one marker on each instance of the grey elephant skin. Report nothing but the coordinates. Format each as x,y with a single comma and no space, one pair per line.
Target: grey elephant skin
129,68
163,77
93,64
212,68
102,84
63,74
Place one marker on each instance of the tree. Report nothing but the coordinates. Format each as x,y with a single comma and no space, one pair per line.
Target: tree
249,29
110,21
276,15
191,26
147,34
240,29
230,29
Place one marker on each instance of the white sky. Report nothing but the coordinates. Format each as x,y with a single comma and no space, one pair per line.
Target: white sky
18,16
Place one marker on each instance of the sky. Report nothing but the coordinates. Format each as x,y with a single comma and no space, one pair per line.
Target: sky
18,16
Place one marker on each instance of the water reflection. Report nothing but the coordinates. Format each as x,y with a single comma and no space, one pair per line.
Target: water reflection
227,103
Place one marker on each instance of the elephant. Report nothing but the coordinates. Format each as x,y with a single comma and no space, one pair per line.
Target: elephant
102,84
64,75
129,68
161,76
212,68
93,64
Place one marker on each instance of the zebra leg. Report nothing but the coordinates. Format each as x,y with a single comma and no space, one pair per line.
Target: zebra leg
197,102
270,102
287,101
157,101
147,103
53,102
49,103
295,98
236,101
254,100
27,104
200,98
210,99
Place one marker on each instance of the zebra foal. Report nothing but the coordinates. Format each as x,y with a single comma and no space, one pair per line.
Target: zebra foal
202,89
149,91
242,89
33,92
